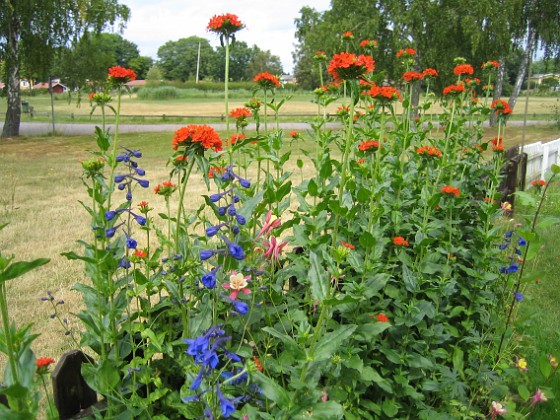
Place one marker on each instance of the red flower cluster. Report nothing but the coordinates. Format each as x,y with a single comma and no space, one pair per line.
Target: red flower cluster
234,138
347,245
346,66
400,241
407,52
450,190
367,43
267,80
43,362
121,75
215,171
197,134
539,183
412,76
501,107
166,188
454,89
429,151
385,93
382,318
490,65
140,253
320,55
463,69
430,73
497,144
347,35
240,113
368,144
226,24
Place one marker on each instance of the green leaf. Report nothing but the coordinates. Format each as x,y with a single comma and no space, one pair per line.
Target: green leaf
103,139
367,240
272,390
318,277
369,374
372,330
544,366
299,163
555,169
327,410
290,343
312,188
390,408
458,360
249,206
19,268
523,392
331,341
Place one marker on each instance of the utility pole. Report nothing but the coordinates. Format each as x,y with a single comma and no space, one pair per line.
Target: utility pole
197,63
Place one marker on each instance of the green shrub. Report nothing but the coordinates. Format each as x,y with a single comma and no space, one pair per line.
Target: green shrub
159,93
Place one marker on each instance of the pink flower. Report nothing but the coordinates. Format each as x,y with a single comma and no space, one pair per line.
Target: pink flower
237,283
270,222
538,397
274,248
497,409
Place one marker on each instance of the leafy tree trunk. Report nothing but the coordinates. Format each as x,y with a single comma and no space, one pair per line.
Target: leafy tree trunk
13,112
525,63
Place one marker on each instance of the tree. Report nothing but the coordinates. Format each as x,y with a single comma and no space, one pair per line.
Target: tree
538,25
35,28
263,61
141,65
179,59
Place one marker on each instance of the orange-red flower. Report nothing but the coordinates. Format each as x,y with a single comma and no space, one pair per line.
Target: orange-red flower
140,253
203,135
240,113
400,241
225,24
384,93
538,183
407,52
121,75
454,89
501,107
429,151
412,76
320,56
450,190
166,188
345,66
429,72
369,144
43,362
497,144
367,43
267,80
347,245
234,138
382,318
463,69
347,35
490,65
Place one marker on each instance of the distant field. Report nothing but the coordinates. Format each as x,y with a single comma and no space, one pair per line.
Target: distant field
300,104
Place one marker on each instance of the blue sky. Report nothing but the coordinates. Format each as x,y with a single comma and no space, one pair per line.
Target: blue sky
269,24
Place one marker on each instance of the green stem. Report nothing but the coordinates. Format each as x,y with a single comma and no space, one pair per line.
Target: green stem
182,190
8,333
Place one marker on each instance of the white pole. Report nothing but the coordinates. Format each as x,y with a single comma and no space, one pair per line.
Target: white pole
198,63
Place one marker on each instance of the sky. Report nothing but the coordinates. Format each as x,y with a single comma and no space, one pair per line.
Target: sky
269,23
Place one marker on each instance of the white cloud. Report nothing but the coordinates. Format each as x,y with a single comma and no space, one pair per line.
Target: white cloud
269,24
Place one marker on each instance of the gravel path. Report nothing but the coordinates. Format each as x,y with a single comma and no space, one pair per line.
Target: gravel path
43,128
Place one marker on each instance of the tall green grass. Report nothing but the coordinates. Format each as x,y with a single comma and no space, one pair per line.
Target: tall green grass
538,318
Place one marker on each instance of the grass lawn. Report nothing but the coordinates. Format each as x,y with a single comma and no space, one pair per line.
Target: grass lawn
41,190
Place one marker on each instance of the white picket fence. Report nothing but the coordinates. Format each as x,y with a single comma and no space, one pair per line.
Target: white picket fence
540,157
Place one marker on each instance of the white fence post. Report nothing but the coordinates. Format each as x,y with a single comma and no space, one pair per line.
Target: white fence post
540,157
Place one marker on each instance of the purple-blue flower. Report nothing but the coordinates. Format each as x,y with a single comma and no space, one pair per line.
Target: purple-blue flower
240,307
519,296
